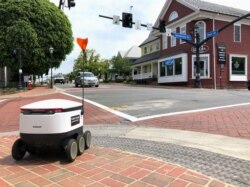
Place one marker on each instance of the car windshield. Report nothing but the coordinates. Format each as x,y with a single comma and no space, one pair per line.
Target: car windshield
88,75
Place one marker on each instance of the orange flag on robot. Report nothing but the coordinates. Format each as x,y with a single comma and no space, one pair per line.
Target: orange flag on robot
82,43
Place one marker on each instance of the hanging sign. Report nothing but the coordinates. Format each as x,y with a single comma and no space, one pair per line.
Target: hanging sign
221,53
203,49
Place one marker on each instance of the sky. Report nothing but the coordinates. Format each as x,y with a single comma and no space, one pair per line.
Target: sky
105,37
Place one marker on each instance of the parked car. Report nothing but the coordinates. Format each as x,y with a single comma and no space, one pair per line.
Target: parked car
59,80
86,79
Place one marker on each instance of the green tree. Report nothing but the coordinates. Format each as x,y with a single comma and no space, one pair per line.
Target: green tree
120,66
91,61
34,25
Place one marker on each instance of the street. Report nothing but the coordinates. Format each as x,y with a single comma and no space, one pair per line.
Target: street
145,101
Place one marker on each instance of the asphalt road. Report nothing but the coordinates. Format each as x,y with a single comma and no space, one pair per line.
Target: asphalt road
142,101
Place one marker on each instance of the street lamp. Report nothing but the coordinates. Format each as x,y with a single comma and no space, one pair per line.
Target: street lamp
17,53
51,50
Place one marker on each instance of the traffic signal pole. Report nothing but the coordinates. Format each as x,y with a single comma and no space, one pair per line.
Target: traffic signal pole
143,25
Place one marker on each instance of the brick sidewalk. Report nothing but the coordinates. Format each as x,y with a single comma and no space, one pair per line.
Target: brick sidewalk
10,109
37,91
96,167
234,122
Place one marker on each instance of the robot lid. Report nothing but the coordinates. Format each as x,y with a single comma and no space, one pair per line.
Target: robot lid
52,104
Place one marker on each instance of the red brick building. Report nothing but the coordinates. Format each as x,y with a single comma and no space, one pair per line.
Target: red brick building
171,61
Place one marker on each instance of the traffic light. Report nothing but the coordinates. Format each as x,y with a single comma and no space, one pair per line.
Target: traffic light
127,20
71,3
162,26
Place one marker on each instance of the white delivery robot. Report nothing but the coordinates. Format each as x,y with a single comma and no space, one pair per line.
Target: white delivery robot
54,124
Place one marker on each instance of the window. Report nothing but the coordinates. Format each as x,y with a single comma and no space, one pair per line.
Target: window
178,66
145,50
182,31
157,46
164,41
151,48
173,40
170,66
237,33
173,69
162,69
173,16
238,68
201,29
204,66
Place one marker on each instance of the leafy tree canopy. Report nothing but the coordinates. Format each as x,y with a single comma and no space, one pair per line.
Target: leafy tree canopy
91,61
120,66
33,25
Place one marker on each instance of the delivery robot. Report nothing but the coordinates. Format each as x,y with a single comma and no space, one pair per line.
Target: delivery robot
54,124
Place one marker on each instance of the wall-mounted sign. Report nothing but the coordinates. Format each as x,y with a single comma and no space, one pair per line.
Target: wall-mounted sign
169,62
221,53
203,49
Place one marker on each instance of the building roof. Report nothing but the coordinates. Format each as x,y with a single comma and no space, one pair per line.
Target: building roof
121,53
145,58
149,39
212,7
133,52
200,5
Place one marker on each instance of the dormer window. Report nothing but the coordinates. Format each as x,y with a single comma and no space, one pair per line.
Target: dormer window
173,16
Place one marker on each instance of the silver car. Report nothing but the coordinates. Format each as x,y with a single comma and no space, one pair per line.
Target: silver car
86,79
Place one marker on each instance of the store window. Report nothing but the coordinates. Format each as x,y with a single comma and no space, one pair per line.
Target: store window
170,66
238,68
162,69
204,66
178,66
237,33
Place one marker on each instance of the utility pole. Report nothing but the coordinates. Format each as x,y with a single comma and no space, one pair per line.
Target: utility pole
198,66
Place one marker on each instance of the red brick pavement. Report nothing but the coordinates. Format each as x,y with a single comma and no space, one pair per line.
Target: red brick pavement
10,109
96,167
233,122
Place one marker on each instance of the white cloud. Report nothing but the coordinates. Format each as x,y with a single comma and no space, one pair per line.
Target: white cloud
107,39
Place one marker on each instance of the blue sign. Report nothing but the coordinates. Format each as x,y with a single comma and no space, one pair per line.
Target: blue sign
212,33
182,36
169,62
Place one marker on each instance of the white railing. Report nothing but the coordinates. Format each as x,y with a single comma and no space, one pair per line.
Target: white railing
142,76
